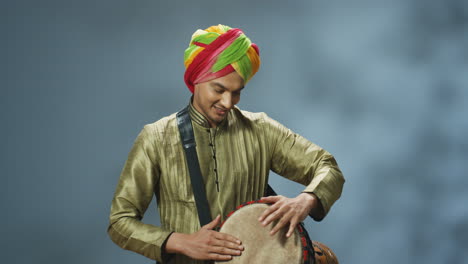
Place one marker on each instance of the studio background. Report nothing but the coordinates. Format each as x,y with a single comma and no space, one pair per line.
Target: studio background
382,85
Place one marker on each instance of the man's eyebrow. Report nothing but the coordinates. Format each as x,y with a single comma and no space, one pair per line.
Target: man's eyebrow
220,85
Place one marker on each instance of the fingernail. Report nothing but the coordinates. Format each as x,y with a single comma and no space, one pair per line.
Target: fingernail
238,242
241,247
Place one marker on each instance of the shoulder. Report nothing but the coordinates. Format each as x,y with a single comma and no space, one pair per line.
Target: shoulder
260,119
165,125
248,117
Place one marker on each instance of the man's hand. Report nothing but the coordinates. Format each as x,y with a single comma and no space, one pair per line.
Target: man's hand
206,244
288,211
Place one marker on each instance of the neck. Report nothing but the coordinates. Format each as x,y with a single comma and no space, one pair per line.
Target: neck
198,116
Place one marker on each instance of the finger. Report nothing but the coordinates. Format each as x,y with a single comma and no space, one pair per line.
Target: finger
228,245
268,211
292,226
270,199
280,224
214,256
225,251
288,217
277,214
213,223
228,238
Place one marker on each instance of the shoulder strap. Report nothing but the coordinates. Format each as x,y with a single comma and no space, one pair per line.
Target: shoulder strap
198,186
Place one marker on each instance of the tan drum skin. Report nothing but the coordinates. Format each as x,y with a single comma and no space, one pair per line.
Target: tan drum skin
259,245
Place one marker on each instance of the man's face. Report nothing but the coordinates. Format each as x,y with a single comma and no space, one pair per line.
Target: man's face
213,99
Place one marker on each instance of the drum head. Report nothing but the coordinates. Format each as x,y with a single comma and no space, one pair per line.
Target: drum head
259,245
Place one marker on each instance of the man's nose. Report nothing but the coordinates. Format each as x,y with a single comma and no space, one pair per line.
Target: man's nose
226,100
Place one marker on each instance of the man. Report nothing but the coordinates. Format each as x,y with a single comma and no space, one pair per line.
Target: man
236,150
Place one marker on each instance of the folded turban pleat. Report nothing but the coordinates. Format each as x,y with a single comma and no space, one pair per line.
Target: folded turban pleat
218,51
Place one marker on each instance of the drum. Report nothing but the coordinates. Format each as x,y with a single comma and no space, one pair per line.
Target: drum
261,247
323,254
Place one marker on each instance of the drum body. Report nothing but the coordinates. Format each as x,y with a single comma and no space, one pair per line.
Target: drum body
323,254
259,245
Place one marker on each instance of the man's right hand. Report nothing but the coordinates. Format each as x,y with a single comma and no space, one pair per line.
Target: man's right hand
206,244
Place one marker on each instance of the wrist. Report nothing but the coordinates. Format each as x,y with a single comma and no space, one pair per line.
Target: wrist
174,244
310,199
316,210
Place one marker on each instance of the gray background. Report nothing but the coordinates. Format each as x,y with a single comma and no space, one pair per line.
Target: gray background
382,85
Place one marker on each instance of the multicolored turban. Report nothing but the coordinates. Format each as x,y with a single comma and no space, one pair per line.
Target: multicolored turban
218,51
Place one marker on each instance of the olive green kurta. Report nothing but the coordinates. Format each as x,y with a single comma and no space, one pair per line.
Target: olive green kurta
235,160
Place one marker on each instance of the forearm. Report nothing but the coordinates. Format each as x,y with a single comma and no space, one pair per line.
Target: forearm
302,161
131,234
134,192
327,184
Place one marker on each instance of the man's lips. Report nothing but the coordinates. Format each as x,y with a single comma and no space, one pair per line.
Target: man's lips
220,111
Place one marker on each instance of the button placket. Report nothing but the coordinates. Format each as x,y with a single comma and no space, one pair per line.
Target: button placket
213,152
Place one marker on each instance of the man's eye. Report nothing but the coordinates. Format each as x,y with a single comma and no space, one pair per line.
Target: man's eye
219,91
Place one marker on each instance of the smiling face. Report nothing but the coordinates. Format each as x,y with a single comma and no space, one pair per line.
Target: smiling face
214,98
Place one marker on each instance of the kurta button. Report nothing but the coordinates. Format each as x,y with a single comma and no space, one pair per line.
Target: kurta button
215,170
214,157
211,145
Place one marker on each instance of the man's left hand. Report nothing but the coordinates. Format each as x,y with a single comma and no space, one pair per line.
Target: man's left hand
288,211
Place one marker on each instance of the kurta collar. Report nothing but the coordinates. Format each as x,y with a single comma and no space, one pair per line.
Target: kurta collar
200,119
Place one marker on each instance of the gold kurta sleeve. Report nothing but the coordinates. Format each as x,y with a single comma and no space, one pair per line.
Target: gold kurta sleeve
302,161
131,199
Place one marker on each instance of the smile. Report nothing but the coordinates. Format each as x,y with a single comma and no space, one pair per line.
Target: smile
220,111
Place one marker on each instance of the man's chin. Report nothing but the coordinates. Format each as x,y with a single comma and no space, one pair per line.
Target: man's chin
218,119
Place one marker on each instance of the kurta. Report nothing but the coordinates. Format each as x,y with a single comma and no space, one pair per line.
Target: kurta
235,159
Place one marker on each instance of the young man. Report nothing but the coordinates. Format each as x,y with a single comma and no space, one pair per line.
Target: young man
236,150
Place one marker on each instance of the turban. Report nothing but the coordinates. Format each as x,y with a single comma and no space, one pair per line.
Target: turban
218,51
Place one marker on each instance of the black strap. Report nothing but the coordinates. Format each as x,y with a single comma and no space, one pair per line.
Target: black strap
269,191
198,186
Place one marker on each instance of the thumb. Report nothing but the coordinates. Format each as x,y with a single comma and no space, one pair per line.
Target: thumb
212,224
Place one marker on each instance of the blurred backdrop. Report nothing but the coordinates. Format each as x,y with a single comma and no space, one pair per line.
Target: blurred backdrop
382,85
